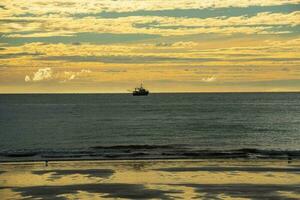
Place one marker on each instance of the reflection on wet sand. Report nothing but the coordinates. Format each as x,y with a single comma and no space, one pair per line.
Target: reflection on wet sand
249,191
232,169
109,190
56,174
160,179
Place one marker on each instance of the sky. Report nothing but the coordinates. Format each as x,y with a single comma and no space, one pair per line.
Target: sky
107,46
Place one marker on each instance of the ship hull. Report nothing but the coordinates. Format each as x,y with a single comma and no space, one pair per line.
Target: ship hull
140,94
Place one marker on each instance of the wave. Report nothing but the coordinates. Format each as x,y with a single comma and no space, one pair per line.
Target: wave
145,146
147,152
21,154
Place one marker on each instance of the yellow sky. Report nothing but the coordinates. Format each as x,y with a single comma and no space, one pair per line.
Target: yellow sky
112,46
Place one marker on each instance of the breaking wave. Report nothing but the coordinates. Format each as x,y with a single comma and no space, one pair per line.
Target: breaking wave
146,152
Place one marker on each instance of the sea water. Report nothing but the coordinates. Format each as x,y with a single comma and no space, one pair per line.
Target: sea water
122,126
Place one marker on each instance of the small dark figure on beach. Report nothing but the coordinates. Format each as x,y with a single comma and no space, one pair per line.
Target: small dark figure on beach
289,159
46,163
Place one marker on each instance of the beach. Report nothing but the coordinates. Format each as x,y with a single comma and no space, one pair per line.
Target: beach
151,179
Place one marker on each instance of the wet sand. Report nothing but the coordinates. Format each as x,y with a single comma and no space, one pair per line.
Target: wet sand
151,179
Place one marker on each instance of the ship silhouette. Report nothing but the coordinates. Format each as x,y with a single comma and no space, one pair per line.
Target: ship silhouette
140,91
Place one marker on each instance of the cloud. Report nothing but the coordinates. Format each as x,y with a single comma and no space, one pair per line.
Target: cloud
42,34
43,74
70,75
209,79
54,7
27,78
114,71
262,23
47,74
16,55
185,44
128,59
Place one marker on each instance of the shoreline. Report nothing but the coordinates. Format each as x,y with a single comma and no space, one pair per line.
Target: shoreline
294,159
151,152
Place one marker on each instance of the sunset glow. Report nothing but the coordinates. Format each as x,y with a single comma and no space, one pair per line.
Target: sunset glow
79,46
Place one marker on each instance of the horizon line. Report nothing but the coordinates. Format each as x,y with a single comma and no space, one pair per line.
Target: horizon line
223,92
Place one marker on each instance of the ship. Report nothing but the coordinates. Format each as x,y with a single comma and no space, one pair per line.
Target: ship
140,91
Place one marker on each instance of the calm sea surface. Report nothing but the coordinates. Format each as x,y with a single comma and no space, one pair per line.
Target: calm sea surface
121,126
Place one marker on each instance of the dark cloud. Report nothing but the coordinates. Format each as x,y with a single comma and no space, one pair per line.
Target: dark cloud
199,13
294,83
114,70
16,55
3,7
18,20
163,44
126,59
76,43
285,69
94,38
269,59
272,28
56,3
156,59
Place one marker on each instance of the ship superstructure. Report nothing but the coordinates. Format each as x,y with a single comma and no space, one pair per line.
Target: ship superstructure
140,91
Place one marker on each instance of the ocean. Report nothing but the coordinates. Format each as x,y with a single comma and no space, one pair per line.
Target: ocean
158,126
